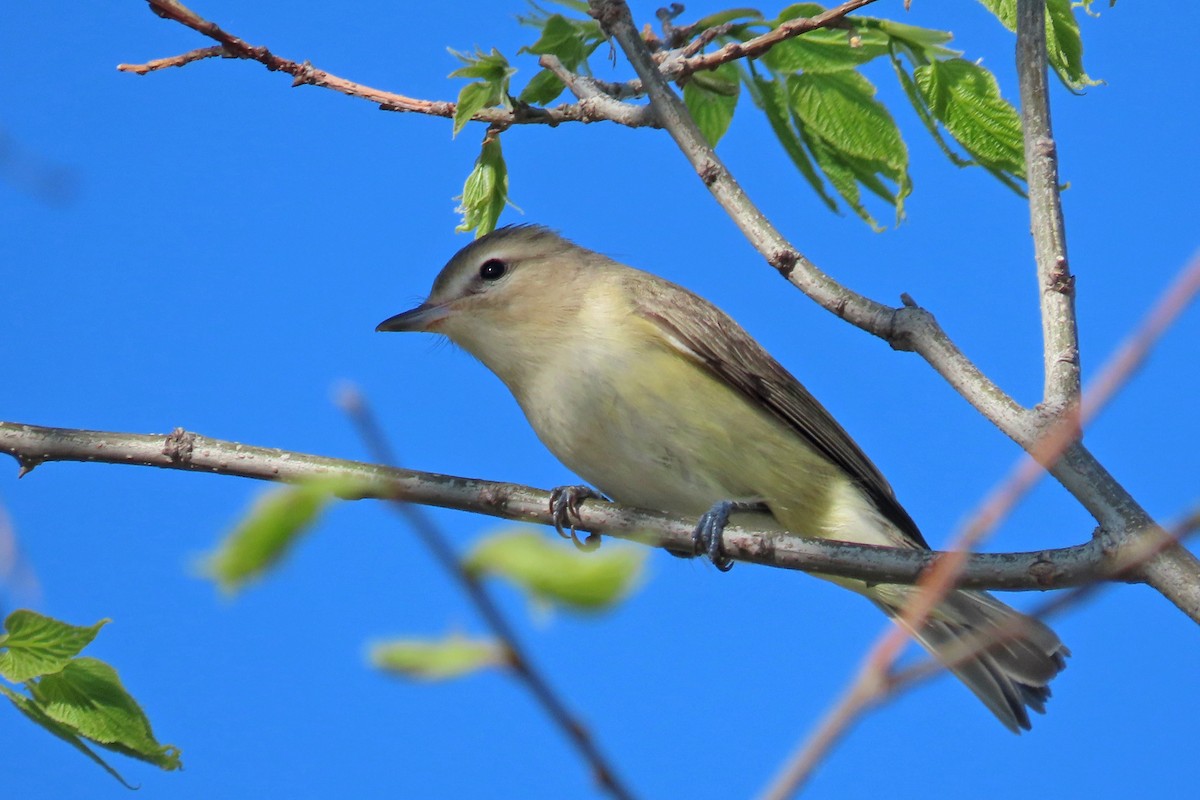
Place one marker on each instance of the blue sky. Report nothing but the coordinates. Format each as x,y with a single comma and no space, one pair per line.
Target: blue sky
230,246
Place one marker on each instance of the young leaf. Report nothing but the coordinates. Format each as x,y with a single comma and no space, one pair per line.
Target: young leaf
852,136
34,713
924,44
827,50
550,571
966,99
87,697
543,88
711,97
721,17
1064,45
771,97
38,645
485,192
271,528
431,660
492,91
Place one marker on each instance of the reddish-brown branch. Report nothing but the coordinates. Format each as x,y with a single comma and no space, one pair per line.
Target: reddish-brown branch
174,61
305,73
753,48
875,678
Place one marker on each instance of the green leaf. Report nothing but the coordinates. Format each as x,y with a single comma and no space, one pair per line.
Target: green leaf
492,91
87,697
485,192
851,135
571,40
1064,45
827,50
922,44
472,99
542,88
432,660
842,110
771,97
272,527
34,713
721,17
553,572
711,97
37,645
966,99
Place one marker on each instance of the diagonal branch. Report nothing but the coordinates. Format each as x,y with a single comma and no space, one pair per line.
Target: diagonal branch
759,45
517,658
174,61
1175,572
1056,284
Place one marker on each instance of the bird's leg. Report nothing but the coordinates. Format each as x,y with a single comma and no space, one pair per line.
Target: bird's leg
706,538
564,506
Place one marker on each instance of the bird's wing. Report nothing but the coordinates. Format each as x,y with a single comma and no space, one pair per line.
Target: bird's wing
706,335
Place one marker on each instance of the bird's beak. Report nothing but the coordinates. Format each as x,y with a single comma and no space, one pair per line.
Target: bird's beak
424,317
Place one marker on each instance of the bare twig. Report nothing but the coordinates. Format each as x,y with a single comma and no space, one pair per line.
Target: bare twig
305,73
599,97
1056,285
518,659
874,679
759,45
174,61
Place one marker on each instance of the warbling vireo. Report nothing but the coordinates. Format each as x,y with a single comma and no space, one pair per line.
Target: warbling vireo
660,400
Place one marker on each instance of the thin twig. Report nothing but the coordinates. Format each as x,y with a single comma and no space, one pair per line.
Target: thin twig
874,679
32,445
174,61
1056,284
305,73
353,403
759,45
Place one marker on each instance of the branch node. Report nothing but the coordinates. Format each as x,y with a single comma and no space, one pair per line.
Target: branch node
303,75
709,172
178,446
1044,571
784,261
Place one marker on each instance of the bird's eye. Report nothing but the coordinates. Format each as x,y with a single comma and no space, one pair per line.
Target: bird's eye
493,269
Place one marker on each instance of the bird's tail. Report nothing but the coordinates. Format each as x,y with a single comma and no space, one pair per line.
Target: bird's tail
1005,657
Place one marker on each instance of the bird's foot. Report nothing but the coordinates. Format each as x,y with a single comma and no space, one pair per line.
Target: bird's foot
706,538
564,507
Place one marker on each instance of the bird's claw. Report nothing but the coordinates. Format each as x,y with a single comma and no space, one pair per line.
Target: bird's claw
706,537
564,508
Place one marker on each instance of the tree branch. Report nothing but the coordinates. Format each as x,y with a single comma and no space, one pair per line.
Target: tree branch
878,681
517,658
175,61
1175,572
1056,284
305,73
32,445
686,64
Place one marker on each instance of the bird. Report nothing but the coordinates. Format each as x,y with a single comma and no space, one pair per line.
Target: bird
660,400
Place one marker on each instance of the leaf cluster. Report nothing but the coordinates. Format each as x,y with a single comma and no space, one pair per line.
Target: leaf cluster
77,698
811,88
